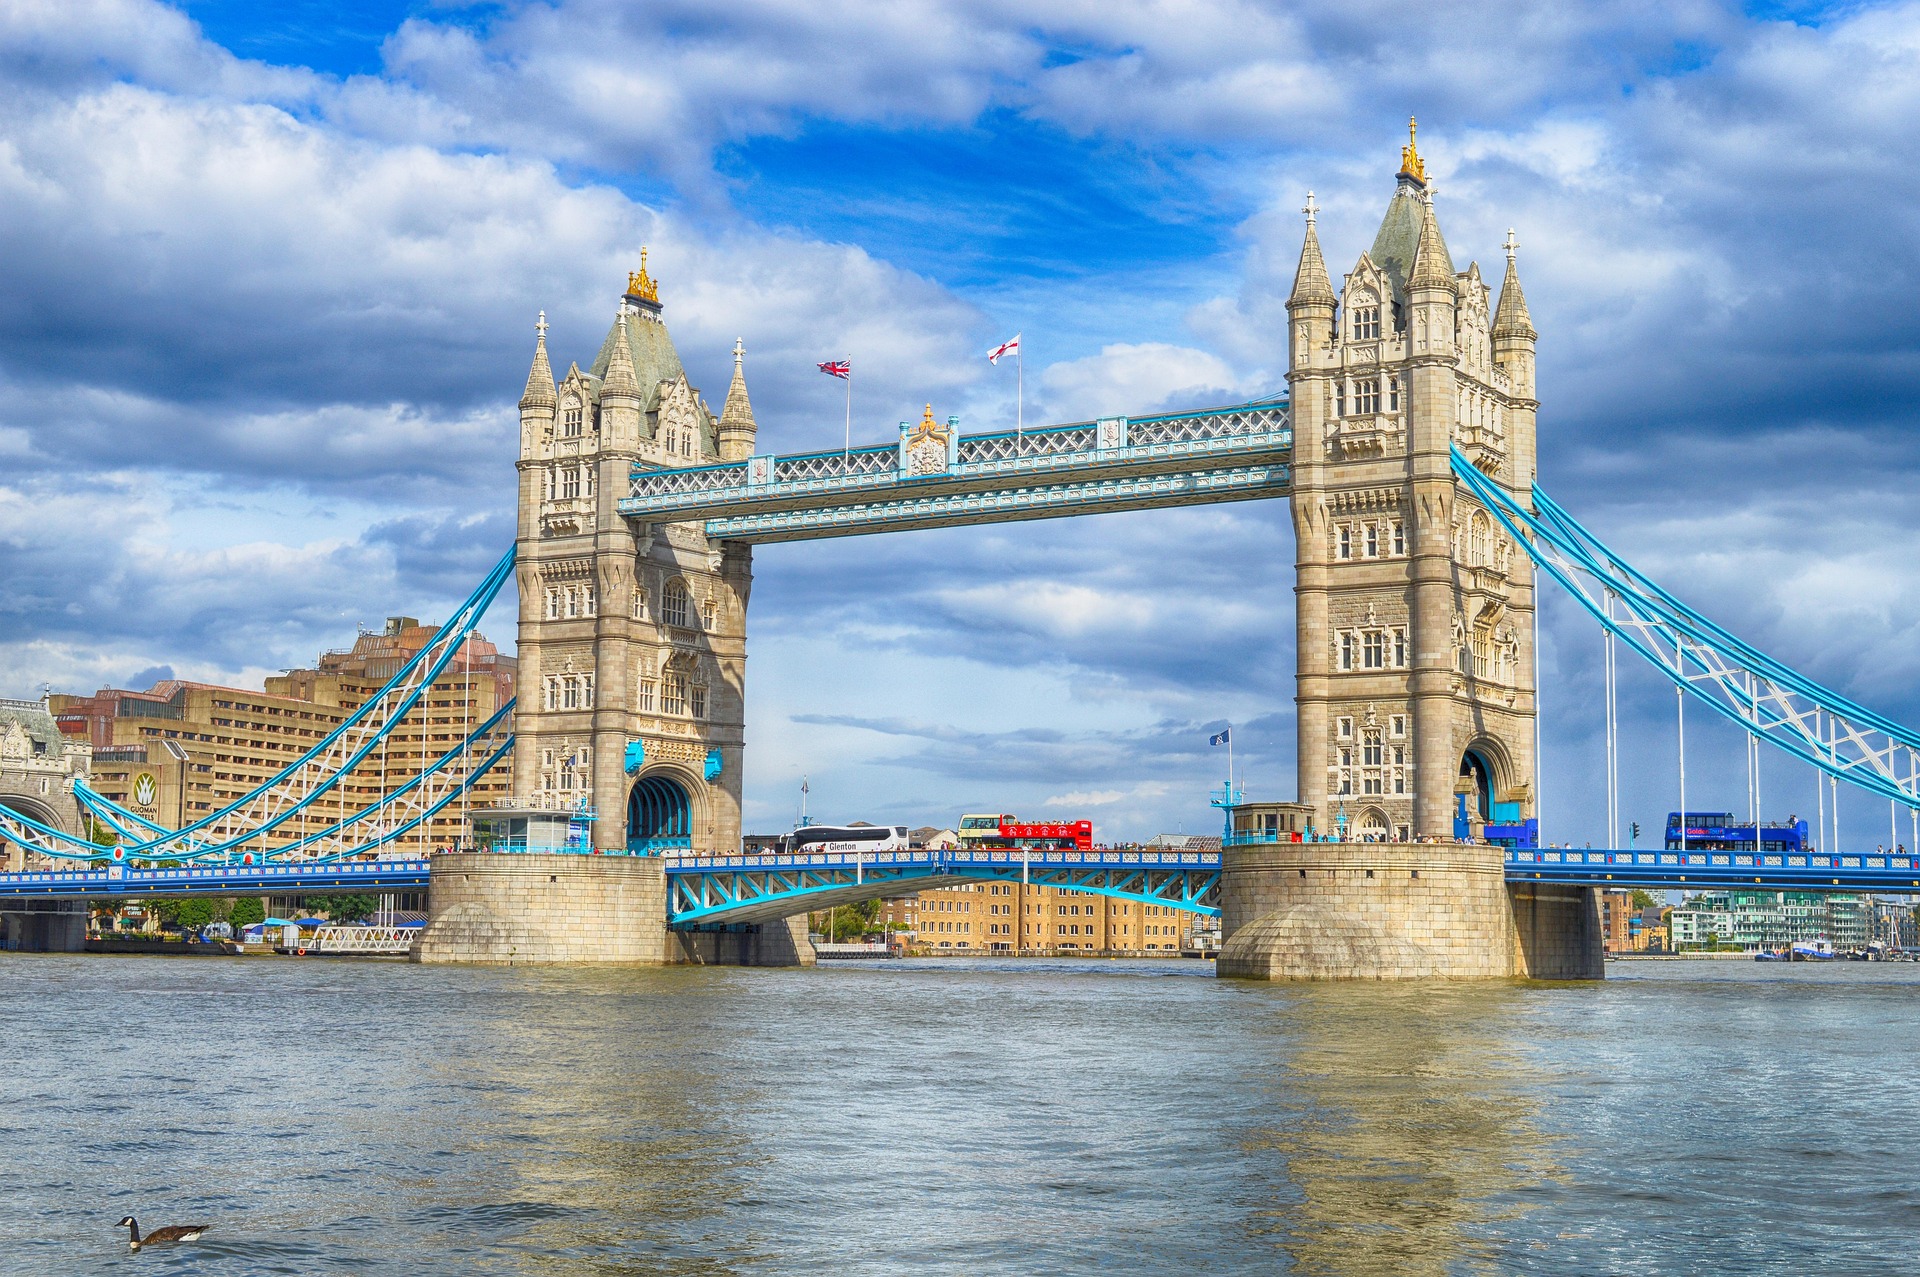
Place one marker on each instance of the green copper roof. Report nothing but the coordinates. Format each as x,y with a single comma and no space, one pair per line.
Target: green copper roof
1393,248
654,358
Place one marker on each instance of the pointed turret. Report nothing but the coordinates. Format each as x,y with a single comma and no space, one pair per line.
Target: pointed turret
737,428
1432,264
539,392
619,378
1311,284
1512,319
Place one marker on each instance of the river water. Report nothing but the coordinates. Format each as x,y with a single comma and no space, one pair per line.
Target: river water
954,1117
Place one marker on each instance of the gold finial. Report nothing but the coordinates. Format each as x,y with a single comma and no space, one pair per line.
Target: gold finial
640,284
927,422
1410,162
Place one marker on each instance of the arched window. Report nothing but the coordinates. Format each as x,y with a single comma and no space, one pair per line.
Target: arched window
706,613
572,418
1373,540
674,604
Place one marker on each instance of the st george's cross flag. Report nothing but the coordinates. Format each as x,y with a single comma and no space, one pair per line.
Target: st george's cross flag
1225,735
842,368
1004,348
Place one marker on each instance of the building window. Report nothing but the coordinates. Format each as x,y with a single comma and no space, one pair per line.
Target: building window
1393,394
674,604
571,419
572,602
1346,651
553,602
1345,727
1366,396
1400,649
1397,724
706,614
673,693
1340,398
1371,751
569,693
552,689
698,697
1366,323
569,483
1346,542
586,691
1374,649
1399,537
589,604
1373,540
639,602
645,699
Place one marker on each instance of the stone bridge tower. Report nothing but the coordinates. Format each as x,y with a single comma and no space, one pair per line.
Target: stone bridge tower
1415,612
632,637
1416,632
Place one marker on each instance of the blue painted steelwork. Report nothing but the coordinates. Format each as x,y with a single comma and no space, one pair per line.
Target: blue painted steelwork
1674,870
730,889
219,880
299,785
1739,683
659,816
1216,454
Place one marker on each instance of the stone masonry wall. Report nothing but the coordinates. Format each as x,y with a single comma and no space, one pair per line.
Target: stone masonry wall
1328,911
516,910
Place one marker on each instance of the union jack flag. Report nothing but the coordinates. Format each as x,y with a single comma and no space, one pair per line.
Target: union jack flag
840,368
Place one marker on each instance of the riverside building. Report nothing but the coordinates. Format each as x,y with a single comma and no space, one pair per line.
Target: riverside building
1023,918
180,750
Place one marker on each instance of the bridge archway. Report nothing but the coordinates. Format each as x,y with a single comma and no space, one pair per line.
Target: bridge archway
34,809
1372,826
1476,785
659,814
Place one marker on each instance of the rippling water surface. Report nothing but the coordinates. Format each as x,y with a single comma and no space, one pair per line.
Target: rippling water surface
958,1117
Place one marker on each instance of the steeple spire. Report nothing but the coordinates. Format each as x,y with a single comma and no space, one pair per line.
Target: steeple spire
1311,284
539,392
1511,319
737,429
1432,265
619,379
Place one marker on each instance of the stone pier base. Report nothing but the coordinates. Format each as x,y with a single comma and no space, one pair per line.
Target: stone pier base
44,926
534,909
1398,911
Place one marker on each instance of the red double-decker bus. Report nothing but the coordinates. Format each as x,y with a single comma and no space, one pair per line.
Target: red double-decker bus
1074,835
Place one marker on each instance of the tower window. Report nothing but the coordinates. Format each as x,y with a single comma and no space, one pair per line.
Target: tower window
697,697
1393,394
569,483
1366,396
1370,750
674,604
673,693
1339,398
1366,323
640,602
1399,537
1374,649
1373,540
1345,727
1346,651
1398,724
1346,541
645,699
706,614
571,418
1400,649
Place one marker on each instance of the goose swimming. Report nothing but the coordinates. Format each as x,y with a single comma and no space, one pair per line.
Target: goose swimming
161,1236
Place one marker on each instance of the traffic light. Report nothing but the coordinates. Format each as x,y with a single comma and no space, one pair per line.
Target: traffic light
1633,832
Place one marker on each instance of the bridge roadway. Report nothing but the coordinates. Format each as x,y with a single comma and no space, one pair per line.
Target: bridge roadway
716,890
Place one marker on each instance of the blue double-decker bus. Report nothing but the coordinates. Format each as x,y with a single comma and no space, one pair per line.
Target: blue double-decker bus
1719,831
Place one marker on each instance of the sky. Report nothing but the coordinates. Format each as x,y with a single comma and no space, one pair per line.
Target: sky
269,275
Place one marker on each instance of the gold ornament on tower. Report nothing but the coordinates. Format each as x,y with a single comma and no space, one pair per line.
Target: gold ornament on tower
640,285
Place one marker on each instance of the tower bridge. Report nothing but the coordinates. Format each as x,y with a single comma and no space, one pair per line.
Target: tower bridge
1405,448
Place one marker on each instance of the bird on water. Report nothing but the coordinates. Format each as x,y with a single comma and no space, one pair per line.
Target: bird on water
160,1236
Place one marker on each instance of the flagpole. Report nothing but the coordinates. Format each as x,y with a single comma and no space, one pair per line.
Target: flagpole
847,447
1230,794
1019,390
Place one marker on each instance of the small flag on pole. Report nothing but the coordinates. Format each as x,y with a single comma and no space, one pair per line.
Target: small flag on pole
1004,348
838,368
1225,735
